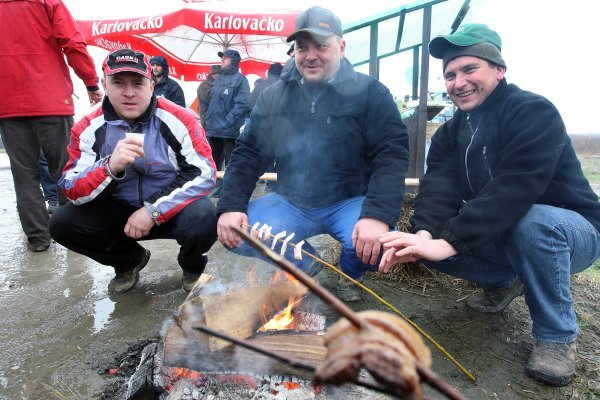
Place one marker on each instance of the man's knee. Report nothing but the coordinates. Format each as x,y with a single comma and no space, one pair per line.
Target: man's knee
540,221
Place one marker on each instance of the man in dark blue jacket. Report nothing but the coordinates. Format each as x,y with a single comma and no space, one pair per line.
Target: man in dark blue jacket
165,86
341,150
227,108
504,202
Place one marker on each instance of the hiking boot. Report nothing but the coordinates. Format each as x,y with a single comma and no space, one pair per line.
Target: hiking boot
124,281
328,278
495,300
190,278
552,363
348,291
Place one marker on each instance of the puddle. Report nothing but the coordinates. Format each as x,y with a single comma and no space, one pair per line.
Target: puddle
102,312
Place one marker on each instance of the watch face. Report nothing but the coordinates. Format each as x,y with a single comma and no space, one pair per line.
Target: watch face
155,214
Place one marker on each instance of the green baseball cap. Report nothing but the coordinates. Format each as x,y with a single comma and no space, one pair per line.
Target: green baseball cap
470,39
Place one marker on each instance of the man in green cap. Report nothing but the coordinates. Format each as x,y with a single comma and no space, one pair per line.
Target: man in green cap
504,202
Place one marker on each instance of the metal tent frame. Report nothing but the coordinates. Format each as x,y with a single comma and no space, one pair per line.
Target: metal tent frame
406,28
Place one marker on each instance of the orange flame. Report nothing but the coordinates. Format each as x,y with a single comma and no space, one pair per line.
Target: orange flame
282,320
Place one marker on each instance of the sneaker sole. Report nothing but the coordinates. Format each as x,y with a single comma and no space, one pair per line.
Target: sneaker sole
548,379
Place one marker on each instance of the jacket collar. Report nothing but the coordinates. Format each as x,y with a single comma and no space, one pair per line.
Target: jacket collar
111,115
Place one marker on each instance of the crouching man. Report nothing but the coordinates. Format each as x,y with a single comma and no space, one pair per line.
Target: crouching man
139,168
504,202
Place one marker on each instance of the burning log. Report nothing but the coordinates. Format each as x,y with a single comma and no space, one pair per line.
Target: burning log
237,312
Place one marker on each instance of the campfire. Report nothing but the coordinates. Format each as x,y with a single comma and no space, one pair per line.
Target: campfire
259,339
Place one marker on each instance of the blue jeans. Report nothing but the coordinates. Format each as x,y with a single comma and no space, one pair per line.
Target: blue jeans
337,220
48,185
543,250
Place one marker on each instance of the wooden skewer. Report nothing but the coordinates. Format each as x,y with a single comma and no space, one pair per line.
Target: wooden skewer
391,307
426,374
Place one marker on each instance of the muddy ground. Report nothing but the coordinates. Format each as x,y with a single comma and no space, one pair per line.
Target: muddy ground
62,332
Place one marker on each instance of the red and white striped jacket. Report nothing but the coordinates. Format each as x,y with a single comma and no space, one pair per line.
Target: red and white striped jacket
177,167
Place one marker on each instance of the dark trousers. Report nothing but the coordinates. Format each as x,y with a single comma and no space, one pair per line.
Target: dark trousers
96,230
23,138
221,150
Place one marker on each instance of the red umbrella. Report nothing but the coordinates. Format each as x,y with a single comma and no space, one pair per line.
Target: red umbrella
190,38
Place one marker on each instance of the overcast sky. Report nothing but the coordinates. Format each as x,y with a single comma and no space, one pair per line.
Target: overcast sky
546,45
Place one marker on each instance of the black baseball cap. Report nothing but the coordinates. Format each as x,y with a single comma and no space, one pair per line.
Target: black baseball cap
127,60
317,21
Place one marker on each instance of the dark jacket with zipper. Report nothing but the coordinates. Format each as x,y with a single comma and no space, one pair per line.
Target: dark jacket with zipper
487,167
332,141
228,108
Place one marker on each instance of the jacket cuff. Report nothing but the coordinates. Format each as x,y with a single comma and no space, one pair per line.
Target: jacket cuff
120,176
153,212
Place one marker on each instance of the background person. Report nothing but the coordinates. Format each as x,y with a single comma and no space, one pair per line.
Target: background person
165,86
227,108
341,150
504,202
204,90
149,185
36,106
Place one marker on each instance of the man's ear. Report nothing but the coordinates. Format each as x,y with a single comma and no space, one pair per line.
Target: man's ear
103,81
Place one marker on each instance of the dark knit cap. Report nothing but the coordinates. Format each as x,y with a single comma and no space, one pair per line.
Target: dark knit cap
475,40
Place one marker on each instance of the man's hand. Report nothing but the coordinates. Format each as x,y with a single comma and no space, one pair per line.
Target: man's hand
401,247
139,224
365,239
227,235
95,96
124,154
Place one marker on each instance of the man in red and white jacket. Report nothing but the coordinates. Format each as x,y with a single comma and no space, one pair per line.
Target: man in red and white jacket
36,106
139,168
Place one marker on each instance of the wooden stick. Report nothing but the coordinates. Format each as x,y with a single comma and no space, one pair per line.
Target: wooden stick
288,360
427,374
272,176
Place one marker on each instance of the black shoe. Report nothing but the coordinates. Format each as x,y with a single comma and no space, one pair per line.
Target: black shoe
37,248
124,281
552,363
190,278
495,301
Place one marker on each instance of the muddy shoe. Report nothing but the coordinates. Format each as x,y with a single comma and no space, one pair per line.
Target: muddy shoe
552,363
495,301
37,248
328,278
124,281
189,280
348,291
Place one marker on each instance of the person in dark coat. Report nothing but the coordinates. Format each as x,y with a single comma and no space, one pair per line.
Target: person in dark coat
273,75
165,86
204,91
341,150
504,202
228,107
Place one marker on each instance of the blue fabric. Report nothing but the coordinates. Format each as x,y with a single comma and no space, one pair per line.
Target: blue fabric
337,220
543,249
48,185
228,105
